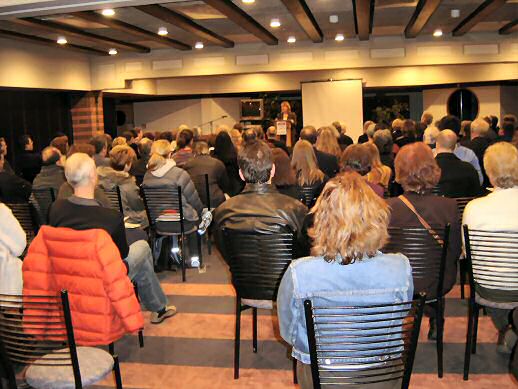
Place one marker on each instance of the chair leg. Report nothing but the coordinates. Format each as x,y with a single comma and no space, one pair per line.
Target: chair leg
439,314
111,348
141,339
475,328
469,340
200,249
117,371
254,329
183,258
295,378
237,338
462,271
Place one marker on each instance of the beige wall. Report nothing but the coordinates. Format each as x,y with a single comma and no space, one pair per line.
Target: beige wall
508,100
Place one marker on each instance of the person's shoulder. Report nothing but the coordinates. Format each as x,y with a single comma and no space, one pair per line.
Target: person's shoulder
289,202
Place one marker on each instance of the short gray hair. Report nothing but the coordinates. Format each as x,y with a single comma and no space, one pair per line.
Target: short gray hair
479,126
79,167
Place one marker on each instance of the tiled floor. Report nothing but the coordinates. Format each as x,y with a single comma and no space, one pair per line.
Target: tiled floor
194,349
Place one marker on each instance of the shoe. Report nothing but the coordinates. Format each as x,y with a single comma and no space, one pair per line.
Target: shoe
506,341
432,332
159,317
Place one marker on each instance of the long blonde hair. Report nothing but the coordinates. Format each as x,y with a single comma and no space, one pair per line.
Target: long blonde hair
379,174
350,220
304,162
160,152
327,142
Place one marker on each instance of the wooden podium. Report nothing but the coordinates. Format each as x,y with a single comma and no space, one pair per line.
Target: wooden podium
283,128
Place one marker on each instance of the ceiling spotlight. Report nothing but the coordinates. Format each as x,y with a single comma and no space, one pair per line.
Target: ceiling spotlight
455,13
62,40
339,37
248,1
437,33
113,52
198,45
292,39
108,12
275,23
333,19
162,31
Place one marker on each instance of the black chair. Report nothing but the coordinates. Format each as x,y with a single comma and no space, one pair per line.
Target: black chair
114,195
308,194
43,197
428,260
26,215
492,259
209,233
362,345
257,263
37,331
162,199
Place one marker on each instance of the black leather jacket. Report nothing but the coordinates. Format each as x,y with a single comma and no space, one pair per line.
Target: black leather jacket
258,208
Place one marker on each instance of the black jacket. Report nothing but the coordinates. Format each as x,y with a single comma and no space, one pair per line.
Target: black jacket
29,165
458,178
328,163
279,144
14,188
259,208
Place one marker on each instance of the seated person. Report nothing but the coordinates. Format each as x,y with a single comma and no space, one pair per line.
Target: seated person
121,158
51,174
82,212
418,172
328,163
284,179
202,164
139,167
12,187
12,244
356,158
380,174
184,143
274,141
498,211
347,267
100,143
307,173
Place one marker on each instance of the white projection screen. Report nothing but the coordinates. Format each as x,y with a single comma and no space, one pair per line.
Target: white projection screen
328,101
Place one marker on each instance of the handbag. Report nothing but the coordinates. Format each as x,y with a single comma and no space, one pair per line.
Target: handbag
423,222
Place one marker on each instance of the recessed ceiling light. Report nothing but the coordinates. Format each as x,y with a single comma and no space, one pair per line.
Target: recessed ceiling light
339,37
162,31
455,13
113,52
108,12
248,1
437,33
198,45
333,18
275,23
292,39
62,40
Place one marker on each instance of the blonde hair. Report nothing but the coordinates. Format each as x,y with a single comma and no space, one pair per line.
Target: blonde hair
501,163
160,152
120,140
236,137
327,142
120,156
379,174
350,220
304,162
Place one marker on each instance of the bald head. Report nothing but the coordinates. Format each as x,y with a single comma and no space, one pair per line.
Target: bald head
80,171
50,156
446,141
309,133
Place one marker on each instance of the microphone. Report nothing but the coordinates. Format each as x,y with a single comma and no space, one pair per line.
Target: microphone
224,116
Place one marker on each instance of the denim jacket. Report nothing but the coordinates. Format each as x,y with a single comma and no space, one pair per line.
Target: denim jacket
385,278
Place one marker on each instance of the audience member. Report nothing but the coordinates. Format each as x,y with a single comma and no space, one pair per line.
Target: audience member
148,135
418,172
236,137
430,136
507,131
12,187
249,135
273,140
426,121
465,132
259,208
492,120
100,145
344,140
498,211
327,142
203,164
52,174
225,151
117,175
307,173
132,138
328,163
3,156
238,126
119,141
29,161
356,158
284,179
383,141
397,127
479,143
167,135
364,137
139,167
379,174
408,133
12,244
458,178
347,267
61,143
371,130
184,143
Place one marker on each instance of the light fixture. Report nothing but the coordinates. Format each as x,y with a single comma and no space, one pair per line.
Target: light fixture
455,13
437,33
292,39
333,19
112,51
162,31
248,1
62,40
108,12
198,45
275,23
339,37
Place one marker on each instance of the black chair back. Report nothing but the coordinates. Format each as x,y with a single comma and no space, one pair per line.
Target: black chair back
163,199
308,194
258,261
362,345
44,198
426,255
25,213
461,205
114,195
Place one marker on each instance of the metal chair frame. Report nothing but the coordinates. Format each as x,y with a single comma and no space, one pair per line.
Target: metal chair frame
44,198
114,195
26,215
308,195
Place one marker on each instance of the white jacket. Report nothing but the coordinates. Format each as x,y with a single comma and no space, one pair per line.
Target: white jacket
12,243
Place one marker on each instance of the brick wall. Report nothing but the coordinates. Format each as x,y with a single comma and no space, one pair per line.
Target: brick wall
87,115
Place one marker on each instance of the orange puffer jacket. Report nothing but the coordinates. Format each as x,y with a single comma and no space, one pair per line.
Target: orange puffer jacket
88,265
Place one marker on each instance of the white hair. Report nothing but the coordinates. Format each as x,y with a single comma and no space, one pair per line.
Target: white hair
430,135
479,127
79,167
371,130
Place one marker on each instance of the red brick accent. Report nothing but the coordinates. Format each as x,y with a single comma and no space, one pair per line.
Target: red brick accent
87,115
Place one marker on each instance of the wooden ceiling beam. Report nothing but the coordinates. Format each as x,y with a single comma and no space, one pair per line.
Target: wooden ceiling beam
302,14
50,42
178,20
70,31
422,14
243,20
478,15
509,28
94,17
363,18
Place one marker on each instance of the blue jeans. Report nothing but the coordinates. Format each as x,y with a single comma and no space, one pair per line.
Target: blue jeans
141,271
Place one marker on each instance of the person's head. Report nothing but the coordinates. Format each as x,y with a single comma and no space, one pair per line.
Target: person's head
160,152
122,157
508,130
354,158
238,126
50,156
494,122
119,141
350,220
304,162
327,142
144,147
148,135
501,163
416,168
80,172
338,126
510,118
383,141
285,107
373,153
201,148
60,143
397,124
26,142
235,135
137,134
409,128
446,141
255,162
427,118
371,130
271,133
222,128
84,148
167,135
100,145
223,146
309,133
184,138
3,147
465,129
249,135
479,127
284,174
430,135
129,136
450,122
366,125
